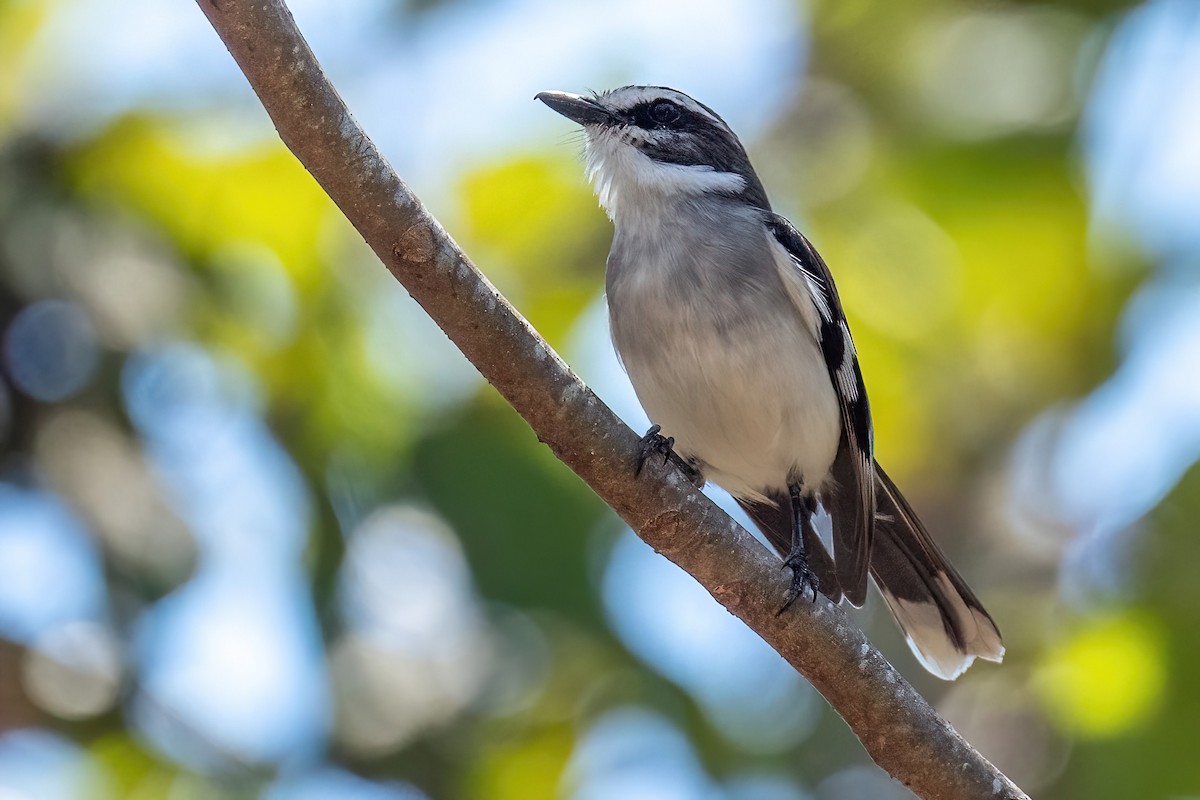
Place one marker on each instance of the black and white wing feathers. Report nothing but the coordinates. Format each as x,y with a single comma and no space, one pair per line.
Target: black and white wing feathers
851,500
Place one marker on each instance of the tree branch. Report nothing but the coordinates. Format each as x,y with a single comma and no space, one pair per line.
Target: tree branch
902,733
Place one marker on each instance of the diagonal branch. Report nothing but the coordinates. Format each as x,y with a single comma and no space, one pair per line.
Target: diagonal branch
902,733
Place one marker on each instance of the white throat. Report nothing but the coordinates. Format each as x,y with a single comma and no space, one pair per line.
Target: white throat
627,181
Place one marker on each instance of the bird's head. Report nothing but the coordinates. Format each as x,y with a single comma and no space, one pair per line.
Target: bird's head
646,144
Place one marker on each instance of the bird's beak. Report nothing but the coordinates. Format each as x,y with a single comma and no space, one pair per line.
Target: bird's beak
577,108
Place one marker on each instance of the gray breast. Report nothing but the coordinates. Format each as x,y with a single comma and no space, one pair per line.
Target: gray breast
695,268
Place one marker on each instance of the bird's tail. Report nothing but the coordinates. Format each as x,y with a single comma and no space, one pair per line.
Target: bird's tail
945,624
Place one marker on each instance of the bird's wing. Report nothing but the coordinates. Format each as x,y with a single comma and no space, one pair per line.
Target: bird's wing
851,501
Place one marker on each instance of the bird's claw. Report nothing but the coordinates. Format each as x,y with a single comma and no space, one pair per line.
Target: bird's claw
654,443
804,580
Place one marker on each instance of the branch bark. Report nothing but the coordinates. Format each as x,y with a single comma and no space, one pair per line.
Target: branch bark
898,728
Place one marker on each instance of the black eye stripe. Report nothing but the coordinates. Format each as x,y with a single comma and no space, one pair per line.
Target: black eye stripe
664,112
661,113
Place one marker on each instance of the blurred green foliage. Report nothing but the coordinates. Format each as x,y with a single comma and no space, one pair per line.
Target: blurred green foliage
964,265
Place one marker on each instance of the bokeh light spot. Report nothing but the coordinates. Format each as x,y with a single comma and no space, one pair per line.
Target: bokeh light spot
752,696
990,73
74,670
101,472
334,782
39,765
635,754
416,650
43,545
50,349
1106,678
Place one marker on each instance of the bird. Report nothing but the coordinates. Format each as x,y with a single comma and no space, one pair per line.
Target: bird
729,326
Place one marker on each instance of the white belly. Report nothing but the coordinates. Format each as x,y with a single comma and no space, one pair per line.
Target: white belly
754,405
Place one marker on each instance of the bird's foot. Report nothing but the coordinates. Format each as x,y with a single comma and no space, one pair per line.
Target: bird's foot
804,580
654,443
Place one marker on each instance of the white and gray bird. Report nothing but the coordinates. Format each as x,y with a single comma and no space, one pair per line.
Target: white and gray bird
730,327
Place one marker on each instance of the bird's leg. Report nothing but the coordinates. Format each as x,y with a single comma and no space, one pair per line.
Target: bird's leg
654,443
803,578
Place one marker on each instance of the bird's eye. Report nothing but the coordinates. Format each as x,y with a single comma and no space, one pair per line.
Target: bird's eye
664,112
